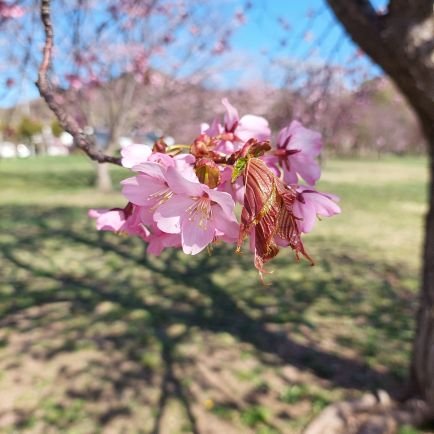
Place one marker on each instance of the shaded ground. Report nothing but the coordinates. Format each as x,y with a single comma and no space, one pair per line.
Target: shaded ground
98,337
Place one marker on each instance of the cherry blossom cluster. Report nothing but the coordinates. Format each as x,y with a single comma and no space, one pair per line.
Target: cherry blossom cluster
10,10
189,199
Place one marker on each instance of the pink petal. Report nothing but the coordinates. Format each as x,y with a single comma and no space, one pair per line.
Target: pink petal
184,160
231,116
135,154
236,189
226,147
312,204
251,126
224,201
228,227
139,189
212,130
195,237
306,167
134,224
163,160
283,137
324,204
204,127
158,241
290,176
273,164
307,213
108,220
151,169
179,184
168,215
184,164
304,139
146,215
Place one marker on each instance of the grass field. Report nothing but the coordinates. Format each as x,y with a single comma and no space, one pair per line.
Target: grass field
98,337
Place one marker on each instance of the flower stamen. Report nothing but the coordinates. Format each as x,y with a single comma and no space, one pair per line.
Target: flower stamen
161,197
200,211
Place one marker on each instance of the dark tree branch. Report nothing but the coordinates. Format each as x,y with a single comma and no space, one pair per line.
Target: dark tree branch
418,7
67,122
366,8
401,44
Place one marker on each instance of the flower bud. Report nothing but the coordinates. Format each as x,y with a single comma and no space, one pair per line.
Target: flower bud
208,172
160,146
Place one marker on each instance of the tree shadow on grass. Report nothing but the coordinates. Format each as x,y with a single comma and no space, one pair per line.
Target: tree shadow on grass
72,290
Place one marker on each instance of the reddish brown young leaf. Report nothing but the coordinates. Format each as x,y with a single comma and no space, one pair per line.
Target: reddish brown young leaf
287,223
267,214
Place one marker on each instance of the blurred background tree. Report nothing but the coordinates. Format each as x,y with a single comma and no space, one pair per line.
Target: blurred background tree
27,128
56,128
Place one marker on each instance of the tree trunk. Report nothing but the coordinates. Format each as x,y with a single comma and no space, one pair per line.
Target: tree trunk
103,178
422,365
401,42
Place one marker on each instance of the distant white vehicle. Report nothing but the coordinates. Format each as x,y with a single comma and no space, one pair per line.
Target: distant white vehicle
8,150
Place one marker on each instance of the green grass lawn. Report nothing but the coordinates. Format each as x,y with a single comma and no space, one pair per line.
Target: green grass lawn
98,337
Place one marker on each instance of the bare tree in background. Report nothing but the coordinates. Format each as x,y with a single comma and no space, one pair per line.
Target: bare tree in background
115,65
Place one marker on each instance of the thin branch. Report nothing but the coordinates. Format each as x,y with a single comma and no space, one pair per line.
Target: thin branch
67,122
360,13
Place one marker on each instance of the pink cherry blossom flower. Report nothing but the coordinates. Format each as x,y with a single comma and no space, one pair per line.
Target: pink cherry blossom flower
197,212
183,162
178,201
247,127
149,187
129,220
10,11
135,220
231,117
74,81
215,129
235,130
297,150
310,204
108,219
135,154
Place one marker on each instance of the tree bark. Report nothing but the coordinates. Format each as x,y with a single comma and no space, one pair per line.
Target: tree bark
401,41
103,178
422,364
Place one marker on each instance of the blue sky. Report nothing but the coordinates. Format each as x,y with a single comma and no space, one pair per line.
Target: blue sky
312,16
312,35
